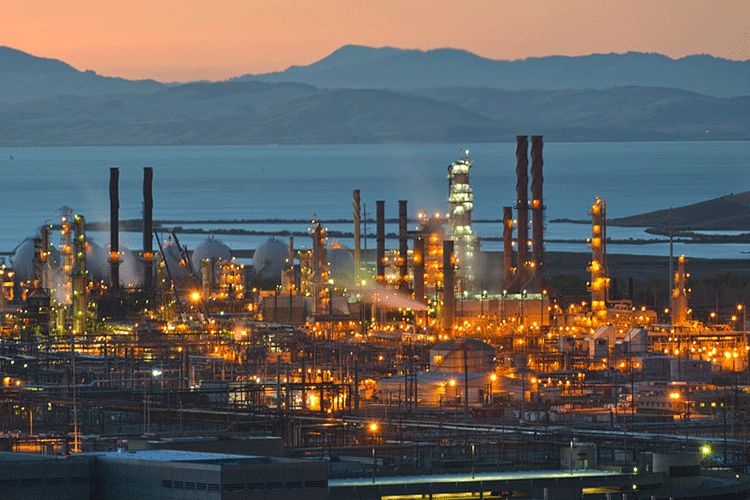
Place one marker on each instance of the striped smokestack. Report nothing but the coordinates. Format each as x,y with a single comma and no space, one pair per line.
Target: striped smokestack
148,230
114,227
537,210
522,205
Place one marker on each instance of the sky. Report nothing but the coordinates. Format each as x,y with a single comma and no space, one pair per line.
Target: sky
171,40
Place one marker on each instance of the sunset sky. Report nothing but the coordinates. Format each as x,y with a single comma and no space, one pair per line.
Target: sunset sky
171,40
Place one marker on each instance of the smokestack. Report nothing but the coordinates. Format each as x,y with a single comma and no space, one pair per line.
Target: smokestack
148,230
380,210
114,227
537,210
449,294
507,246
403,248
522,205
357,224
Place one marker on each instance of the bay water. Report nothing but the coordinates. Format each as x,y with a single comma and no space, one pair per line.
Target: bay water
195,185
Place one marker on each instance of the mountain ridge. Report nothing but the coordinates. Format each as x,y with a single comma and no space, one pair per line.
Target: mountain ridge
355,66
25,77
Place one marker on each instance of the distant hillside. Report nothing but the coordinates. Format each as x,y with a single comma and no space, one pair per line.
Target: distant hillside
291,113
239,113
24,77
619,113
354,66
731,212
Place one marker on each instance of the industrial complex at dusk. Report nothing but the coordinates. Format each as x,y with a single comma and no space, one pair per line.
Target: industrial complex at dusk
425,367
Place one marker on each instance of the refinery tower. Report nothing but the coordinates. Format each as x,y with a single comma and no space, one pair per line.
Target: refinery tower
460,205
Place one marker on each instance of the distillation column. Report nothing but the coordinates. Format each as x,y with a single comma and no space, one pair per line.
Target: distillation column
44,261
320,259
679,294
599,274
419,271
403,248
79,278
449,288
357,224
460,206
507,246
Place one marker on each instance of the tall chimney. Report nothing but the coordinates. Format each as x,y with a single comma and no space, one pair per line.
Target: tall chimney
537,210
357,224
148,230
380,214
449,285
522,205
114,227
403,248
507,246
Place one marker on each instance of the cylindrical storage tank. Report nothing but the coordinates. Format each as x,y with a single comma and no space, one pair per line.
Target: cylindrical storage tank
268,261
210,249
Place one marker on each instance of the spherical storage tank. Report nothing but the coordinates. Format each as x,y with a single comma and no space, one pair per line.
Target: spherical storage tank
341,264
23,260
210,249
177,269
131,270
97,262
269,259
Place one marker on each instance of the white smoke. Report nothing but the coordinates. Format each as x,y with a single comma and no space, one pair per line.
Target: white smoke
379,294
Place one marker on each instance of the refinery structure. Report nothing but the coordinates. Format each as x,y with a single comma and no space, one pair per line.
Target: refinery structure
425,356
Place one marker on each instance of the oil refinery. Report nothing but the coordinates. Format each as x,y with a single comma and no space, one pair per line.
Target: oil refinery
360,368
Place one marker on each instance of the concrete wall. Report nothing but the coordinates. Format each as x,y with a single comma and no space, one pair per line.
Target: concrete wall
27,477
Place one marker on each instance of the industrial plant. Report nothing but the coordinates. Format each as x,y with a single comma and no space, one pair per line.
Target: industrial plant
423,367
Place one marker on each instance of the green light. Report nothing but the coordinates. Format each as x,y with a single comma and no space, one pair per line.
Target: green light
705,449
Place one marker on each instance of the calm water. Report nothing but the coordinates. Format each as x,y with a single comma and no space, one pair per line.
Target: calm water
302,182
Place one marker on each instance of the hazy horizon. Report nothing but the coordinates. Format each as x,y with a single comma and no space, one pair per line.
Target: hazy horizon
191,40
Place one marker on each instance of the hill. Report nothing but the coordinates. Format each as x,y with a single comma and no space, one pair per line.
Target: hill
238,113
730,212
354,66
255,112
24,77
